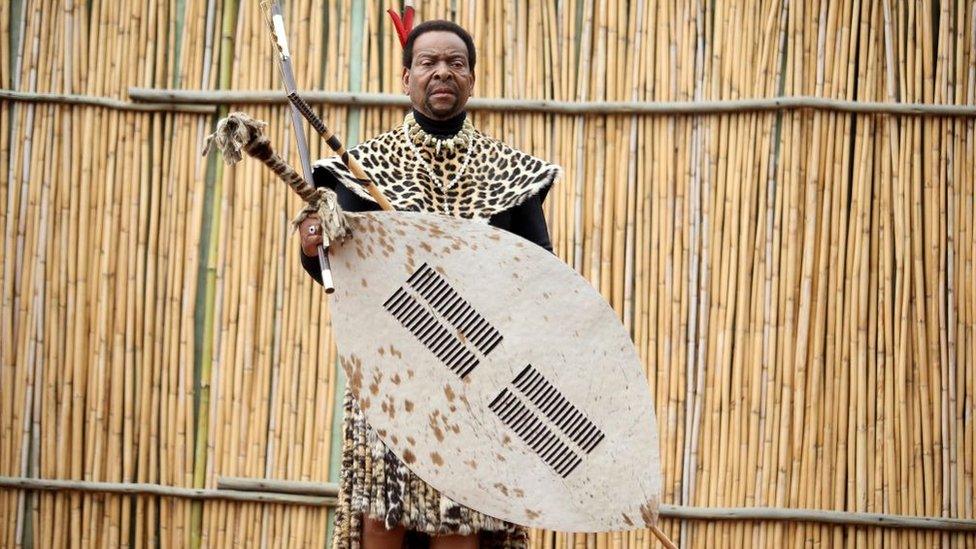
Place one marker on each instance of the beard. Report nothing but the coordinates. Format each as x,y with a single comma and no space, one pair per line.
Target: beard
443,109
447,104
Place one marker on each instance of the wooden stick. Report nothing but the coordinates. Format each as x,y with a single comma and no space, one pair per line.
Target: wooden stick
282,486
500,104
290,492
336,145
881,520
108,102
94,487
665,541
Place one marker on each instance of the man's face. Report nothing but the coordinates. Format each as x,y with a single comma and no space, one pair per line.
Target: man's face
439,82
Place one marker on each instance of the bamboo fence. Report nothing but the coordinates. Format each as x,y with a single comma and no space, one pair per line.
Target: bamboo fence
799,282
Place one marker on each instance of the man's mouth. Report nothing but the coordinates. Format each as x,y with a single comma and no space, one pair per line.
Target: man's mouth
442,92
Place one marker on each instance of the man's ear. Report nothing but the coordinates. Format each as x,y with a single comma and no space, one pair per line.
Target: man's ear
405,79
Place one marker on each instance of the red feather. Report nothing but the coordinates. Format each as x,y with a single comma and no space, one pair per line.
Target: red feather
408,21
403,26
398,24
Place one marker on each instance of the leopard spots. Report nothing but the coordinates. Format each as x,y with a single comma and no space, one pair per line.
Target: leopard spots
495,179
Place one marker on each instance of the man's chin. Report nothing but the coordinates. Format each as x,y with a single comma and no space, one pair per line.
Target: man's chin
443,112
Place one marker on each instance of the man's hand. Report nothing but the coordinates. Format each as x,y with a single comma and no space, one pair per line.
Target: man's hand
311,231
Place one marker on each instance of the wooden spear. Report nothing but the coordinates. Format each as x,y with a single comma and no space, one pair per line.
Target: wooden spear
277,26
277,23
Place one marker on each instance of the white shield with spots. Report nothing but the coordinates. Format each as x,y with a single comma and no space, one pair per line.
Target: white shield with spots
496,373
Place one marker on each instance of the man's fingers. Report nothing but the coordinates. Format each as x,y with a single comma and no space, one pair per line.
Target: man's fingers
311,234
312,240
310,245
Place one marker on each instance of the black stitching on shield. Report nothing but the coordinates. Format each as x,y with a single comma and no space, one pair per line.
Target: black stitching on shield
444,322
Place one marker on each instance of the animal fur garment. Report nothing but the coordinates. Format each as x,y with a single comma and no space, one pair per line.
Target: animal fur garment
469,175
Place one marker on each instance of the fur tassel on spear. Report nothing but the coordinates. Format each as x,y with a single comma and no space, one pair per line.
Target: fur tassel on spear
239,132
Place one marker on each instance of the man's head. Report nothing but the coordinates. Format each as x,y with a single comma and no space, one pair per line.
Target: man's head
438,68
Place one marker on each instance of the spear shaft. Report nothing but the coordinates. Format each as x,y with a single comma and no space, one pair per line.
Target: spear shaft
336,145
277,22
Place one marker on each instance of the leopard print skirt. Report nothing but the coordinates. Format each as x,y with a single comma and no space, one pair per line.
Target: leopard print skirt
373,482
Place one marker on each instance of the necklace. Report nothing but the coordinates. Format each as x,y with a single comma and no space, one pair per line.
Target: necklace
459,140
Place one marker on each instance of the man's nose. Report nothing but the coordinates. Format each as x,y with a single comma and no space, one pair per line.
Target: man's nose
442,71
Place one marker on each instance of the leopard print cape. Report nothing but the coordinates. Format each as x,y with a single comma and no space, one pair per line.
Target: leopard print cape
470,176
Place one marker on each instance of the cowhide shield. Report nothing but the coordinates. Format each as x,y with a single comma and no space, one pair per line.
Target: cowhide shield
496,373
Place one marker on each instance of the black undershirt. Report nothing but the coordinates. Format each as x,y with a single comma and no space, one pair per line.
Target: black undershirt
441,129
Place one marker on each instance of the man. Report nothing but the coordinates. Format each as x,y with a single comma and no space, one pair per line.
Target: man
436,162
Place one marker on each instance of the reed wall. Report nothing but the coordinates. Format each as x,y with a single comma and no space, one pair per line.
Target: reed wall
799,283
